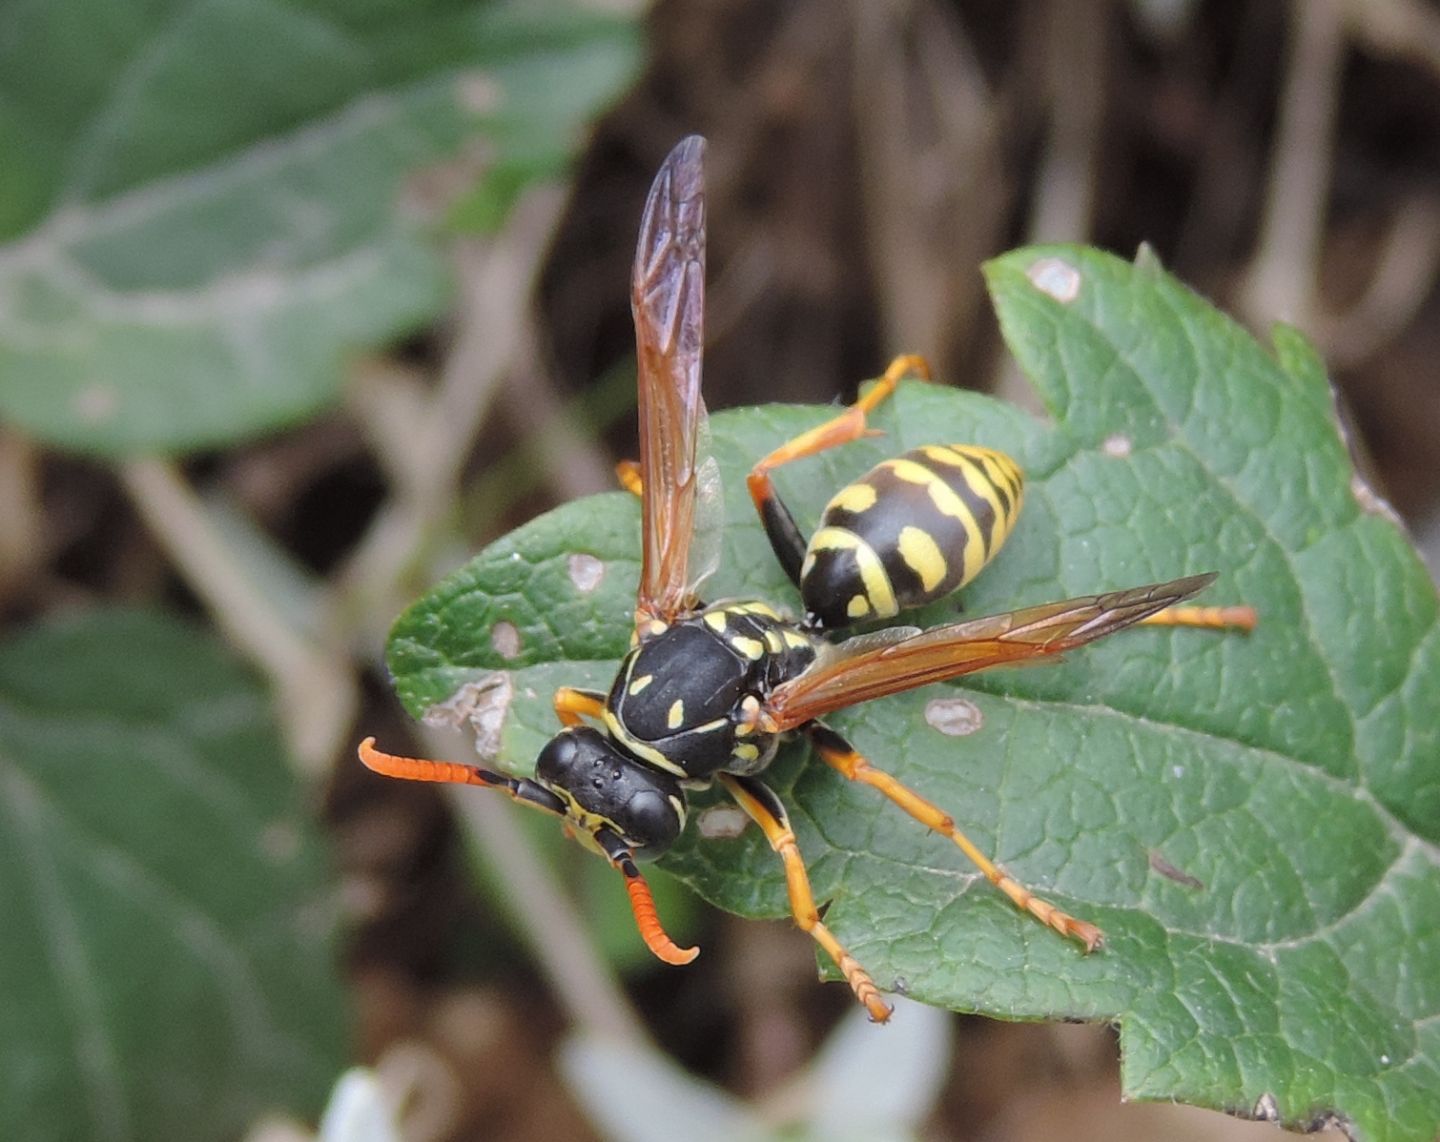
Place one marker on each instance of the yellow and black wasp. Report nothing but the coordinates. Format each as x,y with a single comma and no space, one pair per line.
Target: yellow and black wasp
706,692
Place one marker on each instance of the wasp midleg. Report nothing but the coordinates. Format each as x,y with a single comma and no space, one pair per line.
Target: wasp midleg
766,810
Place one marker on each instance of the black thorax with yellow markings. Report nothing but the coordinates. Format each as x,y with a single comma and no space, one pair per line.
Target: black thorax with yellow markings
688,700
908,532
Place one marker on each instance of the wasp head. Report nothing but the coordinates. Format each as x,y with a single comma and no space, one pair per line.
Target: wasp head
605,788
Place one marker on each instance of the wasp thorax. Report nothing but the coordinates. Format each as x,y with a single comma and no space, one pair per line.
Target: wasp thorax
602,786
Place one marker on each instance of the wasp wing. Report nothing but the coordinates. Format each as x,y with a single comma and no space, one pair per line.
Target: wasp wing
859,670
667,297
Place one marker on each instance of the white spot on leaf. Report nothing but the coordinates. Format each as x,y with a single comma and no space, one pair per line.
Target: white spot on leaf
585,572
954,717
722,822
1056,277
1117,445
505,639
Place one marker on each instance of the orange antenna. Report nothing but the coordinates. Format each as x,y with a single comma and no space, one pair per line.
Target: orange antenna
421,768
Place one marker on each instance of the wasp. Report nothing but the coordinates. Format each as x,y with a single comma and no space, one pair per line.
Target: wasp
707,691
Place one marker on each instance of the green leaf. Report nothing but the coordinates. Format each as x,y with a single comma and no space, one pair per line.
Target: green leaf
1252,820
167,968
207,210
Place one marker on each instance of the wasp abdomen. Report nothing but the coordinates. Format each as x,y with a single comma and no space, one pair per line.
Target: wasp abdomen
909,531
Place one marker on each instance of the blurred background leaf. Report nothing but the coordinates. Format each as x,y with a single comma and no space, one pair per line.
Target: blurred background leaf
169,965
197,236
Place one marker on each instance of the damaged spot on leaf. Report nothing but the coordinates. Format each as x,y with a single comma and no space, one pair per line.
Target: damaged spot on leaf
721,822
585,572
1056,277
954,717
1117,445
505,639
482,706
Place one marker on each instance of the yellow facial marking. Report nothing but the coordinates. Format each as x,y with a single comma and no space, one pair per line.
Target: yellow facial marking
923,556
676,717
639,684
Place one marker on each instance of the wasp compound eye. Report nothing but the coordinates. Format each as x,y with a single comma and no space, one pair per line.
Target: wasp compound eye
603,786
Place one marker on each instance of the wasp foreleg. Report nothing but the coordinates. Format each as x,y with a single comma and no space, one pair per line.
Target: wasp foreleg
572,705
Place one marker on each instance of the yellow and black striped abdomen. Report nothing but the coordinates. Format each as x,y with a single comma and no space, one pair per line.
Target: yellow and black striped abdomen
910,531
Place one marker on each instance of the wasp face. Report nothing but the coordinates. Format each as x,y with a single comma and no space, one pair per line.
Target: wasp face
603,787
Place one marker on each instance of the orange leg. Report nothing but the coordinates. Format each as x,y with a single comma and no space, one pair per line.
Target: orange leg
848,425
841,429
628,473
572,705
837,753
784,534
1210,618
766,811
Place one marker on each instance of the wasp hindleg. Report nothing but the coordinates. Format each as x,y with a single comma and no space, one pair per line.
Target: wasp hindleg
1208,618
784,534
837,753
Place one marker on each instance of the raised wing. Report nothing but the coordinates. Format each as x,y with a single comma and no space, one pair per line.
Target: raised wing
667,296
860,669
